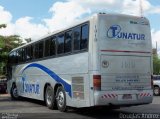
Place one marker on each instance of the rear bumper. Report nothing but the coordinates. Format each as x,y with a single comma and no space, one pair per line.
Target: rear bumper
116,98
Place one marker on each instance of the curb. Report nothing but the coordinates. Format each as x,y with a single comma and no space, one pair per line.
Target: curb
4,95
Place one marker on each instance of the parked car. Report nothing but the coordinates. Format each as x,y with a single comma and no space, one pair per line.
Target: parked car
3,85
156,84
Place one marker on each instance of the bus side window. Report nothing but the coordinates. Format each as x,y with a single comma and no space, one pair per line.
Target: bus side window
68,42
28,53
23,54
10,61
53,46
47,47
76,38
36,52
60,44
84,36
15,58
20,55
40,49
12,58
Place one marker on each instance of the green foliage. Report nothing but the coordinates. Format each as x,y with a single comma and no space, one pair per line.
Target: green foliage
1,42
3,25
7,43
156,65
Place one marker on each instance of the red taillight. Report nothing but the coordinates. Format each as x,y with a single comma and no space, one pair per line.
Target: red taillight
97,82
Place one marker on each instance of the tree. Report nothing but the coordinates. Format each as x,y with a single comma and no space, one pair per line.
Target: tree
3,25
28,40
10,42
156,65
7,43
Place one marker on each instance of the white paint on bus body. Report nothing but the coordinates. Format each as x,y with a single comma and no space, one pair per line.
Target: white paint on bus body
119,49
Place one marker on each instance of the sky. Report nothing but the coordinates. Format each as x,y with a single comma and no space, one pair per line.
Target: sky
36,18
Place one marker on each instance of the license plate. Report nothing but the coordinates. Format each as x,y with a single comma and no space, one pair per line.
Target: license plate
127,96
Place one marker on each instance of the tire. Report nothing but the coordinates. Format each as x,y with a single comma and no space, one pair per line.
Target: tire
49,97
156,91
14,92
61,99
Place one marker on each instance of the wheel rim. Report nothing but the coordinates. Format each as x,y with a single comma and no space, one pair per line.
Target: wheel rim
156,91
60,99
15,92
49,97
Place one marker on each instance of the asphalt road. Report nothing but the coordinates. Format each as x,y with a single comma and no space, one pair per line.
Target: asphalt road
27,109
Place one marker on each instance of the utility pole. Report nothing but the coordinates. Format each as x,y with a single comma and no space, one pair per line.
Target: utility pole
141,8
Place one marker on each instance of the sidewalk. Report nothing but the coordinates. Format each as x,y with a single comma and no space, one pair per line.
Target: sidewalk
4,95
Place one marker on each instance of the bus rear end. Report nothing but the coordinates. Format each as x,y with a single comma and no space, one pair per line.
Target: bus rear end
124,62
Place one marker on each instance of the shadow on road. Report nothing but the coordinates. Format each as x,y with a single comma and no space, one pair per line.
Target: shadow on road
97,112
72,113
6,98
42,103
90,113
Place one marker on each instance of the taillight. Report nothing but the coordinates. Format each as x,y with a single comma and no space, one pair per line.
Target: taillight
152,82
97,82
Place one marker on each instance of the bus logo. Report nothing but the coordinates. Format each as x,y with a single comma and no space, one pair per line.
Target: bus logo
30,87
115,31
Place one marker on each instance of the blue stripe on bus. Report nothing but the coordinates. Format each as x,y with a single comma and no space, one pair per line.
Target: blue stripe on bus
67,86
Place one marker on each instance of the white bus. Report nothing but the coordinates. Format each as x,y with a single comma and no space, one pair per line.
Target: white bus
104,60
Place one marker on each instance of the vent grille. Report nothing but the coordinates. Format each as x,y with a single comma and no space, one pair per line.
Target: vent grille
78,87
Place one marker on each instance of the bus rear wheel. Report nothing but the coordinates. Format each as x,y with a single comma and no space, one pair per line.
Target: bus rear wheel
49,97
14,92
61,99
